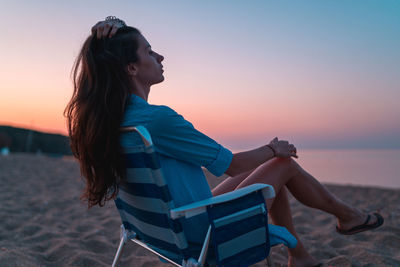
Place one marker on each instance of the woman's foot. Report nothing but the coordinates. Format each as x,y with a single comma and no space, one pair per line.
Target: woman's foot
302,262
359,223
299,257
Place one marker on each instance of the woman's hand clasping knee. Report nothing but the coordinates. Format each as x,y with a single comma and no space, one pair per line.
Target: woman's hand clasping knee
282,148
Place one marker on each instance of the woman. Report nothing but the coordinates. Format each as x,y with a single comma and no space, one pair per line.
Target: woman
112,78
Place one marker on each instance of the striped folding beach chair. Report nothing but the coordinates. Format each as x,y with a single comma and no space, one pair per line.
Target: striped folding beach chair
238,232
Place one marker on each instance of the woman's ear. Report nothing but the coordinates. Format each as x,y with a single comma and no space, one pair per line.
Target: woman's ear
132,69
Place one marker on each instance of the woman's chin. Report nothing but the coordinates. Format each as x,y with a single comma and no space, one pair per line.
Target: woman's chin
161,79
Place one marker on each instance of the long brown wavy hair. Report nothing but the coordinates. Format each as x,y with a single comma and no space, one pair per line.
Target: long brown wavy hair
101,89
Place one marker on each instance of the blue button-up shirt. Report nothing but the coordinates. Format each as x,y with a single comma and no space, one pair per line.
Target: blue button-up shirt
182,151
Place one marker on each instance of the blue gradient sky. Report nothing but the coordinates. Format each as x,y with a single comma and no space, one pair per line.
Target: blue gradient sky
323,74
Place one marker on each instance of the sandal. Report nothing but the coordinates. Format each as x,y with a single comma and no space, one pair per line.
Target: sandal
362,227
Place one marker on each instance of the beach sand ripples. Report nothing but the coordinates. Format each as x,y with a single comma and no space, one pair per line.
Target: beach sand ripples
45,224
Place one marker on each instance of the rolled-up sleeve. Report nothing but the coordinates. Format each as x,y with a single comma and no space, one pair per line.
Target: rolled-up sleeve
175,137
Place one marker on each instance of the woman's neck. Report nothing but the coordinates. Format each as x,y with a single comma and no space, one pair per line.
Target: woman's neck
141,91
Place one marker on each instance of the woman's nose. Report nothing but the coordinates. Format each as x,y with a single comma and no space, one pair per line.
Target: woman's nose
160,58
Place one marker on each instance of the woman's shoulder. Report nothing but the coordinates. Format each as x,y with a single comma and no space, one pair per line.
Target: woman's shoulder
162,111
140,109
166,119
155,117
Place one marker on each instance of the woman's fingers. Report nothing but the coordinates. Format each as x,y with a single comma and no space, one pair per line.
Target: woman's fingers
283,148
105,29
94,28
114,30
293,151
99,31
274,141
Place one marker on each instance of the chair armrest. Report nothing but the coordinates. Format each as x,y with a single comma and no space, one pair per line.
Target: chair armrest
198,207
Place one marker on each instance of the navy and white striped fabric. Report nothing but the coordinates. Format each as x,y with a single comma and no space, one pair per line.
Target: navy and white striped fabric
240,230
144,201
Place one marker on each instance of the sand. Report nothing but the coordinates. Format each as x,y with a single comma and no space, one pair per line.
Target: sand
43,222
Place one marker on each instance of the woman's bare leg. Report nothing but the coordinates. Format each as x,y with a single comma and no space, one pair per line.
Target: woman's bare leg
281,215
230,184
281,173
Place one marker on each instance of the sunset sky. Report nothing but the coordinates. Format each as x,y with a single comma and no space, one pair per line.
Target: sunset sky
323,74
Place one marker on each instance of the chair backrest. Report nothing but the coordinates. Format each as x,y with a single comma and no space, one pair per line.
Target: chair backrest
144,200
239,228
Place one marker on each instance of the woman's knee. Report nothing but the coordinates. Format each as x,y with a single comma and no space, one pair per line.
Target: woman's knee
286,164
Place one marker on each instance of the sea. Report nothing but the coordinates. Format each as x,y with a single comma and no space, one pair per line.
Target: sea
361,167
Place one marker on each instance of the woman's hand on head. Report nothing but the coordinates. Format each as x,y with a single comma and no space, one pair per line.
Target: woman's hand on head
283,149
106,28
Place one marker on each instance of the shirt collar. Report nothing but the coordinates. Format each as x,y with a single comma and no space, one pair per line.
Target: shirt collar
137,100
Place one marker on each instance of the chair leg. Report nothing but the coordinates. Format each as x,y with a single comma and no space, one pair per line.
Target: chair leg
204,250
119,252
270,262
124,238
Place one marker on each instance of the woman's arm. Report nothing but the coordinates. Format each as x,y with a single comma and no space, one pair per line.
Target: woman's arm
248,160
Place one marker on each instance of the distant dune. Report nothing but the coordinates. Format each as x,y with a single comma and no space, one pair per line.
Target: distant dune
27,140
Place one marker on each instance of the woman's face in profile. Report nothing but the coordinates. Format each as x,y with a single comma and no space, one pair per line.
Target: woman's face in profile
148,69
